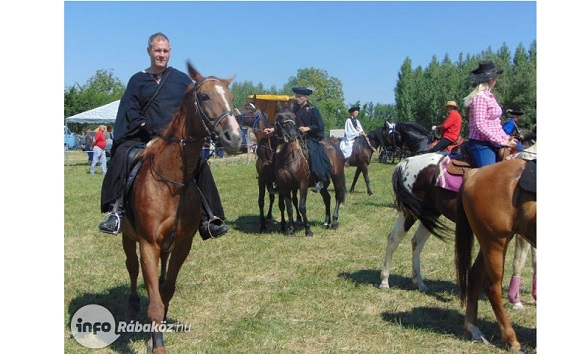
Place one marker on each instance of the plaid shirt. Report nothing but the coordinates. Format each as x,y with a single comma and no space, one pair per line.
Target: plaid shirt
485,119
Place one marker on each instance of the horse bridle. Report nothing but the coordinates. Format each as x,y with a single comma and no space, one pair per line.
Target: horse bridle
206,121
286,136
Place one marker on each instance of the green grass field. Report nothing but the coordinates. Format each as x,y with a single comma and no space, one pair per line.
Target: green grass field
267,293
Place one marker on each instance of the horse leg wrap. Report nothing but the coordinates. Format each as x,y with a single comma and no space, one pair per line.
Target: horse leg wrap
535,287
513,294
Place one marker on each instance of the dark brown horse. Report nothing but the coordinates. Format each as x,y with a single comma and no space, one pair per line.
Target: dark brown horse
252,117
493,205
164,205
255,119
362,151
292,175
419,199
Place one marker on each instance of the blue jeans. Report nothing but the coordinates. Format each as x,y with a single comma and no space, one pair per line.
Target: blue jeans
482,152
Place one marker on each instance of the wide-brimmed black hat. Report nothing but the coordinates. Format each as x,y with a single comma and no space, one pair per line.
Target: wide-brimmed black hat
355,108
302,91
514,112
485,71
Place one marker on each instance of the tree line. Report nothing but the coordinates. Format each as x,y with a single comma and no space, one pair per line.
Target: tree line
420,93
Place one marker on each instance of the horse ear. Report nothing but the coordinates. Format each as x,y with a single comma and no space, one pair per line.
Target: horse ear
254,101
229,81
193,72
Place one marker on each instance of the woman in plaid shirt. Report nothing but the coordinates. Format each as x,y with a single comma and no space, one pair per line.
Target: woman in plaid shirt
486,134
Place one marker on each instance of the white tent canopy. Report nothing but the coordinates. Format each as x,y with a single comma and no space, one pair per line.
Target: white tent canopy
102,114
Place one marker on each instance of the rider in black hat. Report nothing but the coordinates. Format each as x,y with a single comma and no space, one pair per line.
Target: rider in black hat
311,125
510,127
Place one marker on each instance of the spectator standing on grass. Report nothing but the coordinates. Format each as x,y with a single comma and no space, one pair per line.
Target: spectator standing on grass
88,145
98,146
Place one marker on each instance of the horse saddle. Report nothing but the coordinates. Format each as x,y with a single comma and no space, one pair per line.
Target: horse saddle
528,180
461,161
132,167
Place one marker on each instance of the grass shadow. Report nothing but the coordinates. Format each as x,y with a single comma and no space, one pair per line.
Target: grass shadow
446,321
436,288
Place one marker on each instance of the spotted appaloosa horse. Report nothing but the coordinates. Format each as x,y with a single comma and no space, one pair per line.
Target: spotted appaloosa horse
493,205
418,199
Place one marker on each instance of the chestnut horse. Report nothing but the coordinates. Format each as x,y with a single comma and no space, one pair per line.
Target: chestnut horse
293,174
493,205
163,204
418,199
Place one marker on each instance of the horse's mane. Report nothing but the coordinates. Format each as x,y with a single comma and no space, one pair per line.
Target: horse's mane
175,127
414,125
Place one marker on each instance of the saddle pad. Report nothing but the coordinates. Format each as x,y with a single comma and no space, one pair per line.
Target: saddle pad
445,179
528,180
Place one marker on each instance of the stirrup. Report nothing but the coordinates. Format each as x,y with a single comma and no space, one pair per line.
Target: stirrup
216,221
116,230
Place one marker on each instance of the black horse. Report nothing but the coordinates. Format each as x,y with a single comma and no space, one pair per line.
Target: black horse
412,138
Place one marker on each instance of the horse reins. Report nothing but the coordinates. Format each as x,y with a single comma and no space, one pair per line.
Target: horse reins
210,129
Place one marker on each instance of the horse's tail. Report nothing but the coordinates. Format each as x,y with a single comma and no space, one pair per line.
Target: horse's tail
340,192
463,248
408,203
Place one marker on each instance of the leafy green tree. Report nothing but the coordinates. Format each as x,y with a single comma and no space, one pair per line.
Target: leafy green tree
99,90
406,91
241,91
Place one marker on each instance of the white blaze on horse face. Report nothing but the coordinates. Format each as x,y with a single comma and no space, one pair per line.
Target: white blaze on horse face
412,166
233,124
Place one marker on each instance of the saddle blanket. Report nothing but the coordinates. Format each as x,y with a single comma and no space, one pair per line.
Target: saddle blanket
446,180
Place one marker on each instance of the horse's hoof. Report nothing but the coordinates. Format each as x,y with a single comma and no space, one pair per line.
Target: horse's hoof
308,233
370,193
334,226
326,226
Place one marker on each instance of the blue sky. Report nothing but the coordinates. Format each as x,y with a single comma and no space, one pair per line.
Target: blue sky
363,44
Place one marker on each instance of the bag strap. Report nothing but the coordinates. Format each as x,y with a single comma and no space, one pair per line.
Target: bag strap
156,92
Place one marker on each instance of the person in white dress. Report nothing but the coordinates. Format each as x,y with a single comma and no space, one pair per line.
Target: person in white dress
352,129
